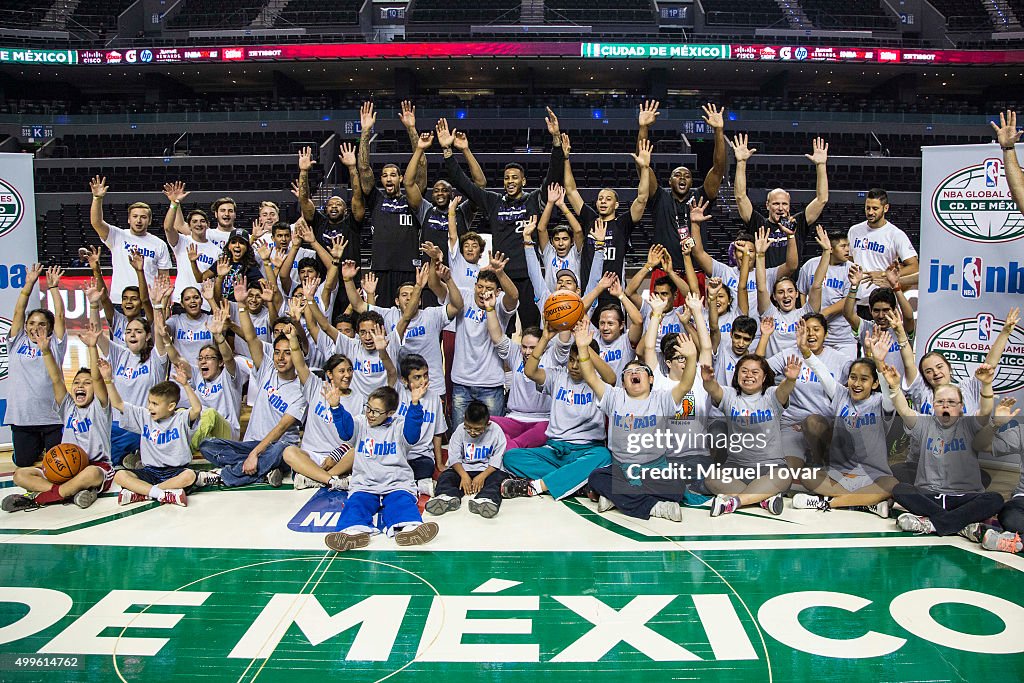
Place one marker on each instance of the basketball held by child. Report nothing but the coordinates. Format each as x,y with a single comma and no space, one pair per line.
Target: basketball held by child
63,461
563,310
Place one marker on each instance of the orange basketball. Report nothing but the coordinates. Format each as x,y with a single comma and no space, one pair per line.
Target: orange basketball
563,310
63,461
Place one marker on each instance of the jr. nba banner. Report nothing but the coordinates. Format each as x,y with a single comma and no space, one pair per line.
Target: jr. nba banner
972,261
17,254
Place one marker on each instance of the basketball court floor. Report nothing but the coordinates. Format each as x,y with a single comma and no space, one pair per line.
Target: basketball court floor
240,587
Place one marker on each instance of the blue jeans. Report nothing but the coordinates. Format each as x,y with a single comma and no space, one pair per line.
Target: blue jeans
492,397
122,442
229,456
396,510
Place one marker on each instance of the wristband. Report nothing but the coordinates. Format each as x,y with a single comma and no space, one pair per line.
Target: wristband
348,279
528,244
790,237
54,287
335,262
174,205
598,243
583,360
988,395
898,288
158,307
489,309
1011,148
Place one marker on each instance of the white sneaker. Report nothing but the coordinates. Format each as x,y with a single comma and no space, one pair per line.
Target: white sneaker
724,505
667,509
174,497
126,497
301,481
85,498
805,501
425,486
918,525
208,478
604,504
881,509
338,483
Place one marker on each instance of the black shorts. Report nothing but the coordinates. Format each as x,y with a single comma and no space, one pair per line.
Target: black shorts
157,475
32,441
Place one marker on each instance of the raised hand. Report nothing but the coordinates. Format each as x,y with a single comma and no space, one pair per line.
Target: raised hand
380,338
92,255
106,372
552,123
175,192
767,326
666,261
713,286
556,194
761,240
218,320
444,273
892,275
424,141
821,237
367,117
408,114
137,260
801,339
1007,134
267,291
739,147
369,283
180,375
856,274
694,302
331,394
349,270
259,229
891,374
90,335
654,256
432,251
643,155
698,211
707,373
93,293
338,246
241,291
881,342
615,287
1005,411
223,266
490,299
263,251
657,304
295,188
985,373
685,346
714,116
566,145
819,152
207,289
296,306
423,276
444,136
1012,318
792,369
347,154
417,392
53,276
895,318
461,141
529,229
39,337
648,113
193,252
601,230
33,273
582,333
453,204
606,281
497,261
306,158
98,187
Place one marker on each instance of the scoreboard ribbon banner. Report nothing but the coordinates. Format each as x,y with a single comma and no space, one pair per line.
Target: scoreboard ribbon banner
972,262
17,254
150,56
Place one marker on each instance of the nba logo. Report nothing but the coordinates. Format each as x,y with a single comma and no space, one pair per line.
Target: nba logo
985,327
992,168
971,285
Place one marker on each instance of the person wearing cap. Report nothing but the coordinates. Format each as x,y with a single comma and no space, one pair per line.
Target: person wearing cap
237,261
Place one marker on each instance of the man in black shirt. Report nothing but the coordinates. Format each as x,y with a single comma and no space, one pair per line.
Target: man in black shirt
395,247
619,226
670,207
777,205
335,219
508,213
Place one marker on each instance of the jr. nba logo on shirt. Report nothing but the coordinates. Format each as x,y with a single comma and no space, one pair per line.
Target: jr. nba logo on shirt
371,447
474,453
970,287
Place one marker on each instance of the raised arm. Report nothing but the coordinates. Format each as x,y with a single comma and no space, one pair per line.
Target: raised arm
633,285
686,348
555,194
572,192
184,378
497,263
306,208
819,157
698,216
713,287
648,115
174,223
18,319
818,283
349,271
531,367
696,308
742,153
899,400
412,307
1007,137
715,117
367,119
138,262
711,385
407,116
828,382
745,259
669,268
217,324
761,276
583,337
357,205
413,192
245,323
116,402
455,302
642,159
767,330
380,342
298,358
53,276
995,353
460,181
39,337
476,172
790,373
892,277
99,188
856,276
650,349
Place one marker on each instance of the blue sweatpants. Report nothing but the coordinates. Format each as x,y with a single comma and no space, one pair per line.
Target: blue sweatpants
397,509
563,466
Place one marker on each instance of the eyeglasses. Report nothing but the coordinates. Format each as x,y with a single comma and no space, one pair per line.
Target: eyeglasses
213,358
373,412
635,371
942,404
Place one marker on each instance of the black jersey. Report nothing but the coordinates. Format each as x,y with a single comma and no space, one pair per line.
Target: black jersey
396,239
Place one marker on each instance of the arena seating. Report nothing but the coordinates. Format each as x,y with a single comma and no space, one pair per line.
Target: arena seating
150,178
964,15
599,11
848,14
195,144
319,13
479,12
24,13
99,16
742,13
200,14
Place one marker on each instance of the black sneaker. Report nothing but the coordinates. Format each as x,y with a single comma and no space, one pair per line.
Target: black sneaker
18,502
516,488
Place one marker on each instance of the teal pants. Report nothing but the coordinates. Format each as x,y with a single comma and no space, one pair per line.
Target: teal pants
563,466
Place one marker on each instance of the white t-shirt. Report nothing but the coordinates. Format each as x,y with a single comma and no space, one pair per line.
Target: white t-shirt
189,335
476,362
121,242
877,249
31,399
423,337
208,255
832,291
223,393
275,397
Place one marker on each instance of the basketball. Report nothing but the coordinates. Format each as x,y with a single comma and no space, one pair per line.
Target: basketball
563,310
63,461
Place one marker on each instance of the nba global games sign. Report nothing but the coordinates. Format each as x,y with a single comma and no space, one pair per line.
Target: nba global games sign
972,261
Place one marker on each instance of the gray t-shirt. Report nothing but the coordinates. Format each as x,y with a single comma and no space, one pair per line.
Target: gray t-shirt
892,358
690,416
526,401
223,393
476,362
858,436
1009,441
189,335
554,263
423,337
381,462
476,454
833,291
616,353
164,443
808,396
391,316
923,396
132,378
260,323
433,420
630,419
368,372
117,325
758,417
784,336
731,276
948,463
275,397
320,435
575,415
30,390
88,428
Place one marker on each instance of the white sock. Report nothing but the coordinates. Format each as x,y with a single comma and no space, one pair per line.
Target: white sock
156,493
537,486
